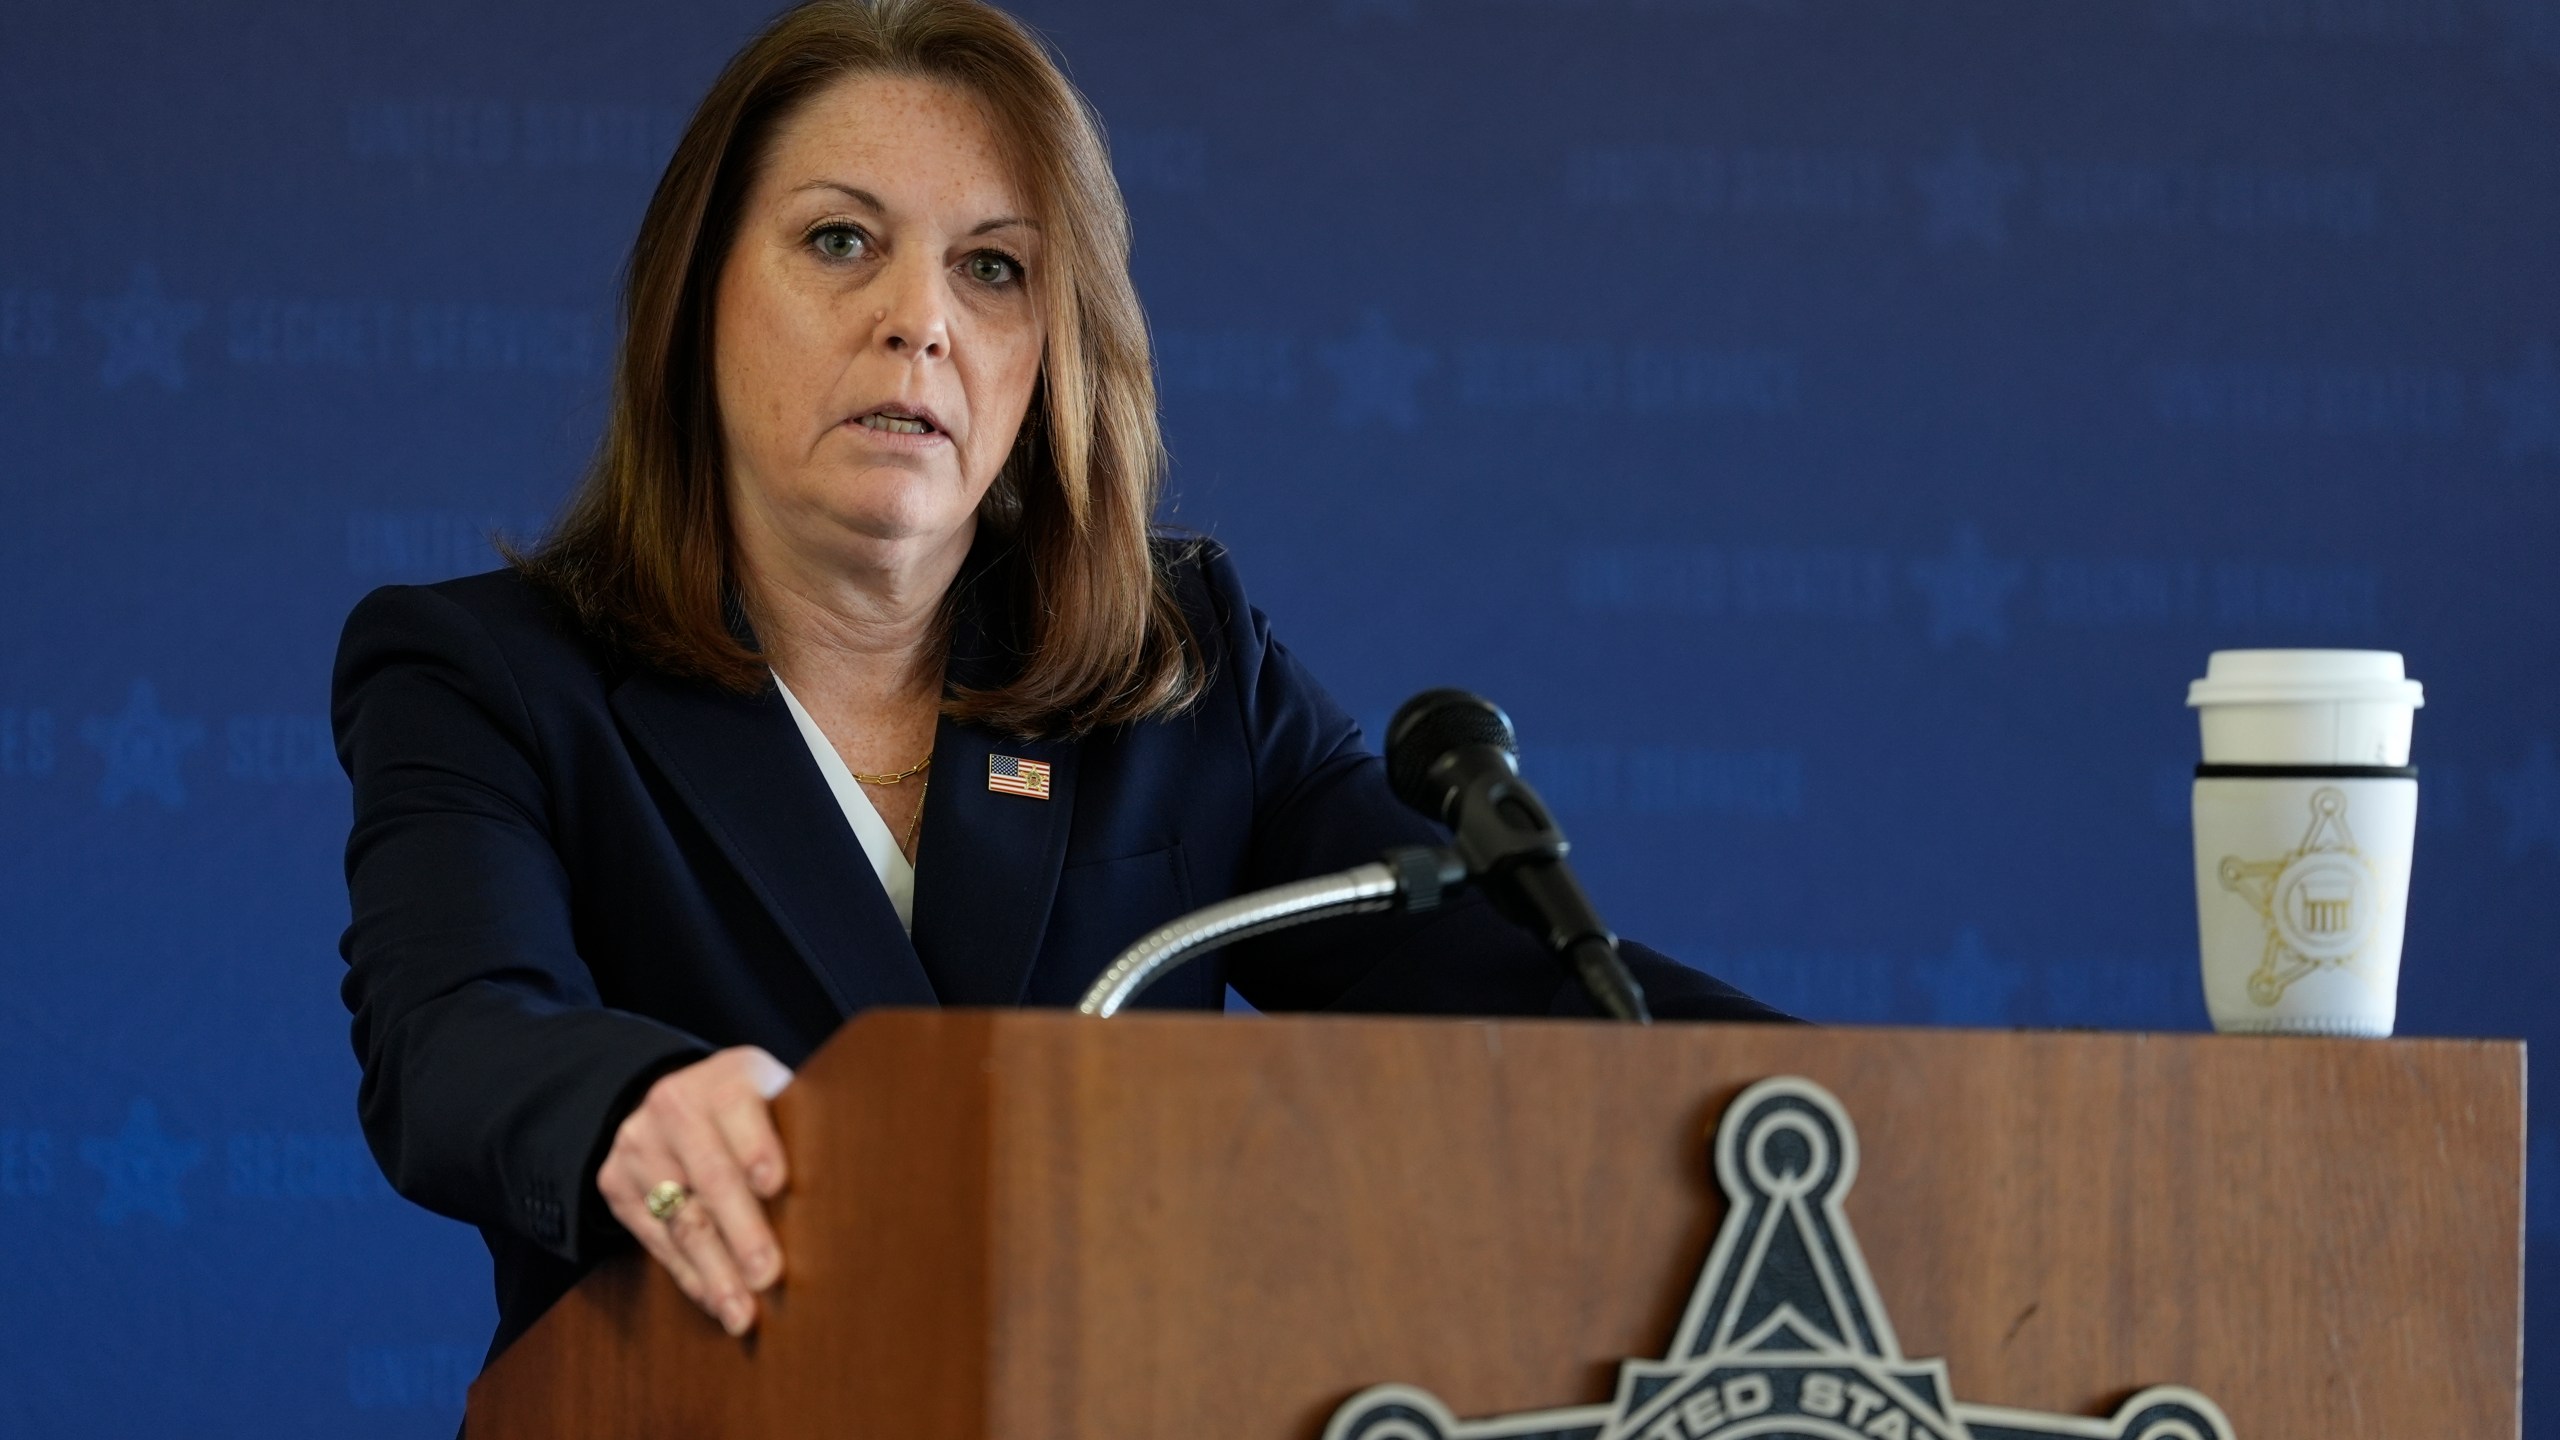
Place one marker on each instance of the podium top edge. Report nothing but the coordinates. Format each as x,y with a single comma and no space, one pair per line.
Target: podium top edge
880,1017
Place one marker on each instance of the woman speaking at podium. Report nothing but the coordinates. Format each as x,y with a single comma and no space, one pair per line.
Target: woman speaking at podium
853,676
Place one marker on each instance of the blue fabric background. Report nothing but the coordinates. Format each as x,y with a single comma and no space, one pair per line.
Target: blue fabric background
1836,431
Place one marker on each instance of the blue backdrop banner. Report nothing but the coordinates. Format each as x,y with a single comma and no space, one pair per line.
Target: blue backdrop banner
1837,431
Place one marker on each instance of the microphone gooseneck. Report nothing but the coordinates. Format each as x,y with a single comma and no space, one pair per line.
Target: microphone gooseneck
1409,878
1453,756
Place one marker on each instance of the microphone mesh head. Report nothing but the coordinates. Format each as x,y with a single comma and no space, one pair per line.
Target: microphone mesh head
1431,725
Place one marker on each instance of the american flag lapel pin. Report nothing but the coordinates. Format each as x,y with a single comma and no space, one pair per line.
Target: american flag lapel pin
1013,775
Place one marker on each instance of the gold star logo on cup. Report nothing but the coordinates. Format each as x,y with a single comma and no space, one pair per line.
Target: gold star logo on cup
2319,901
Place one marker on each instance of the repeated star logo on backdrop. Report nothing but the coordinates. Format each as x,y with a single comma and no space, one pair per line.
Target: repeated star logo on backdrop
142,748
1375,374
1968,195
2531,399
2530,794
1968,591
145,331
142,1166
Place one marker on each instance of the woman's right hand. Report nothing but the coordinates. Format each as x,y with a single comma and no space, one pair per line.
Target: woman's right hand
709,1128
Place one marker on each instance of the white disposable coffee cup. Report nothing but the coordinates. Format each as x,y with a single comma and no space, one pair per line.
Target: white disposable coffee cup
2306,812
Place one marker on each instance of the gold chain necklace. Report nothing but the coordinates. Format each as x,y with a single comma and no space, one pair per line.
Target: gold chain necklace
917,820
910,771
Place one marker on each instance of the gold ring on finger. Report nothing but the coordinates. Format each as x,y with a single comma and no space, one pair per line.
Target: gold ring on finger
666,1198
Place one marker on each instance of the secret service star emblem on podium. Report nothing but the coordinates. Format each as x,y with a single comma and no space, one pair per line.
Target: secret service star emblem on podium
1784,1338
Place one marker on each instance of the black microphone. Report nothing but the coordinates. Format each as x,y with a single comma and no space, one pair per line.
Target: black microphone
1453,756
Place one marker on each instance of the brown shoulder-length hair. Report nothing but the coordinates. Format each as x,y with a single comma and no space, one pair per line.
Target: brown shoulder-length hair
644,552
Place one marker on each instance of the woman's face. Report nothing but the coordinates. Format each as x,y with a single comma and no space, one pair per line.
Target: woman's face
876,340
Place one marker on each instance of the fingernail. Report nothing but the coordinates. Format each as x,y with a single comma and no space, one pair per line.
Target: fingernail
765,1177
735,1316
763,1268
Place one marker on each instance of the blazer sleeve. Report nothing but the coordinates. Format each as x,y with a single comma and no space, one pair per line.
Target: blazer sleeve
491,1066
1321,803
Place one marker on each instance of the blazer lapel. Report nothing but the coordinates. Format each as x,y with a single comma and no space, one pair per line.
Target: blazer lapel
740,764
987,863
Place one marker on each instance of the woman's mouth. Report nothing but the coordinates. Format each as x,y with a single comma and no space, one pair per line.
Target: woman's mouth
900,420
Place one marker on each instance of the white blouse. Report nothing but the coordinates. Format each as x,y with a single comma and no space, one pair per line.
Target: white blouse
897,876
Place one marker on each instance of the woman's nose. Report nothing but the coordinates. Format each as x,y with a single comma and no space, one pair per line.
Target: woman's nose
915,319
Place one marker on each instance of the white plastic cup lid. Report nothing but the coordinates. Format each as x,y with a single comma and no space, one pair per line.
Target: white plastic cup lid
2292,677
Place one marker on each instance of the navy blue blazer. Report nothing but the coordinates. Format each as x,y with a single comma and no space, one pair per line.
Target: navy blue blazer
570,873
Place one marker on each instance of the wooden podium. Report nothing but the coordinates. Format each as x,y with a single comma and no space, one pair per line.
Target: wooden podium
1024,1225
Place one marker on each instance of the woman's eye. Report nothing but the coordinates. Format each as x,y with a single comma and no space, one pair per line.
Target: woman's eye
988,269
840,242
